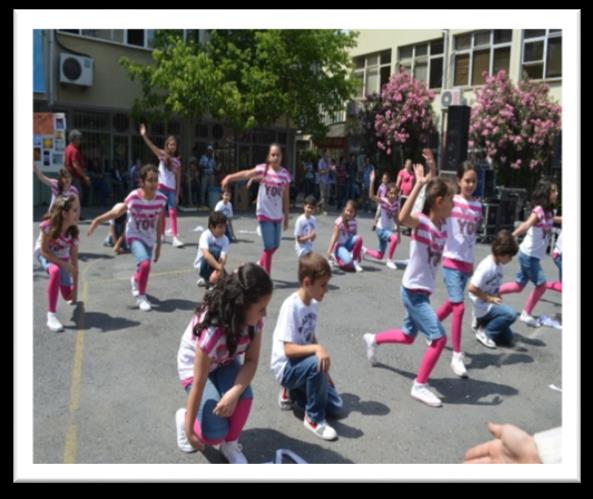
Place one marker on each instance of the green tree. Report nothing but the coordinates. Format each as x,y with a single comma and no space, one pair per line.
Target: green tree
249,77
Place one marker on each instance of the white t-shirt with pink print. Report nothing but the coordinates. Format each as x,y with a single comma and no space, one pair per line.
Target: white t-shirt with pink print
270,194
462,227
426,250
538,236
143,217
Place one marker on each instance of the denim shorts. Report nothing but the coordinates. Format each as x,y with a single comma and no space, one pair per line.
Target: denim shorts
420,316
140,251
530,270
171,199
455,282
558,262
65,279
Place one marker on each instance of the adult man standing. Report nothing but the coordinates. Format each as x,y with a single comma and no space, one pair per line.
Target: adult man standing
75,165
208,166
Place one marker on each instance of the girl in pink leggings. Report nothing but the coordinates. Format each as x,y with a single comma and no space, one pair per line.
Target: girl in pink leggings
429,233
143,228
539,230
345,245
57,251
226,325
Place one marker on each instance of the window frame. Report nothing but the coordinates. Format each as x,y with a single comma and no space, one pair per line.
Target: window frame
427,58
491,46
545,38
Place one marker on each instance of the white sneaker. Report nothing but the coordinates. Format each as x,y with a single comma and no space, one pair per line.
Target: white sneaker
53,323
201,282
284,400
364,254
484,340
369,340
143,303
177,243
182,441
135,291
232,452
357,267
322,430
423,394
529,320
390,265
457,364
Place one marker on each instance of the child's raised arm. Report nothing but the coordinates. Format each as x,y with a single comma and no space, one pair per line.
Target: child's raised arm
41,176
117,211
525,226
158,152
372,195
405,215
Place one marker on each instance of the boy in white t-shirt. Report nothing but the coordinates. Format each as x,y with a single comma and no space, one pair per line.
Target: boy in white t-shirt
300,364
305,228
225,206
494,319
213,249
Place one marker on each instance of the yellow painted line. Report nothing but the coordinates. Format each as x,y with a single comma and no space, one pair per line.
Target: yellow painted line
70,445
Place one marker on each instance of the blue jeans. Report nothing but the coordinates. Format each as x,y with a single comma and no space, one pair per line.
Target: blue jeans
140,251
530,270
270,233
344,251
309,387
206,182
65,279
420,316
384,235
497,323
219,381
171,199
205,269
455,282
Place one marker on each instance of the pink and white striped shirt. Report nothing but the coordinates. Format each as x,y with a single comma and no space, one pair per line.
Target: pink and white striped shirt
60,247
143,216
212,341
426,250
271,189
538,236
345,230
462,227
72,191
388,213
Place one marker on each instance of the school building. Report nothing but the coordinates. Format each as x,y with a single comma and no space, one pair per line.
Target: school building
77,72
451,62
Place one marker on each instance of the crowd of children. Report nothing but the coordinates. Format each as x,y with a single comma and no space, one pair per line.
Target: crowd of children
228,323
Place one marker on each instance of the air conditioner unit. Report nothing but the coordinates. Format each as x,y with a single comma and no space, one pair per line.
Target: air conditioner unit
452,97
76,70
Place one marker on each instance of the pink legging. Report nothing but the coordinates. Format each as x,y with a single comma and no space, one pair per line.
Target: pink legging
173,217
265,260
431,356
392,245
236,423
535,295
141,276
458,310
54,285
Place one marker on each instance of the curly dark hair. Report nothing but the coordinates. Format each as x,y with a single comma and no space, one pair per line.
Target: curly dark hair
226,303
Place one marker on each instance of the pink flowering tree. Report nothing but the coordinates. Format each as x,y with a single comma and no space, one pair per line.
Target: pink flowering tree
405,117
515,127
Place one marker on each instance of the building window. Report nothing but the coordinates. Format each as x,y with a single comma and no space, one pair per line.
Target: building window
424,61
542,53
371,72
135,37
479,51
